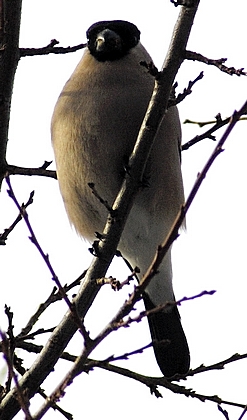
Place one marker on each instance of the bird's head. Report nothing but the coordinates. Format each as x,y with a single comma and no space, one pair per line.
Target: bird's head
111,40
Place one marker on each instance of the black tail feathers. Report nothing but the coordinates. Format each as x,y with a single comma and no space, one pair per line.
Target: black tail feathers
169,342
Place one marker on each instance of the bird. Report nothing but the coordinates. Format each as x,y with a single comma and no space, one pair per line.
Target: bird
94,127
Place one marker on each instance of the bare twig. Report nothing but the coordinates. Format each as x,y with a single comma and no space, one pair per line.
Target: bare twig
243,413
219,123
159,308
187,91
125,356
5,234
8,347
50,49
101,200
34,348
54,296
34,334
218,120
219,63
22,399
207,134
151,382
224,412
41,171
114,283
217,366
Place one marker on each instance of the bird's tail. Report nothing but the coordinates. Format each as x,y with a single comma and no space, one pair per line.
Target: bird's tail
169,342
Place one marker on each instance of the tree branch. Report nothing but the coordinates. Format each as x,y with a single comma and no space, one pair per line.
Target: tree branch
151,382
10,16
20,393
50,49
219,63
219,123
54,296
187,91
41,171
7,231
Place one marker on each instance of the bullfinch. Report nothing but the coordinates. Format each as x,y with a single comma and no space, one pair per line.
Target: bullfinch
94,128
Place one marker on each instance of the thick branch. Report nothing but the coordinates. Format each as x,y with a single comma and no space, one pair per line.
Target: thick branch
9,56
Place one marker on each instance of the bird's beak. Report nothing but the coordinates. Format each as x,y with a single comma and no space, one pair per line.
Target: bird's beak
107,41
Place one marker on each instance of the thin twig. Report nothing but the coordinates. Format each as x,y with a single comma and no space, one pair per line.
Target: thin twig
34,348
159,308
126,356
206,135
219,63
219,123
35,333
101,200
7,231
41,171
9,347
54,296
243,413
152,383
224,412
50,49
24,402
217,366
187,91
115,284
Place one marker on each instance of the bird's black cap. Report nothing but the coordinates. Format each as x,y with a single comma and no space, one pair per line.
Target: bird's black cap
118,38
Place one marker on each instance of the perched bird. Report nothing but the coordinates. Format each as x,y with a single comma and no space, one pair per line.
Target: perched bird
94,128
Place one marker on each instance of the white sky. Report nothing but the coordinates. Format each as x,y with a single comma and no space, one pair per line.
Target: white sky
211,255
